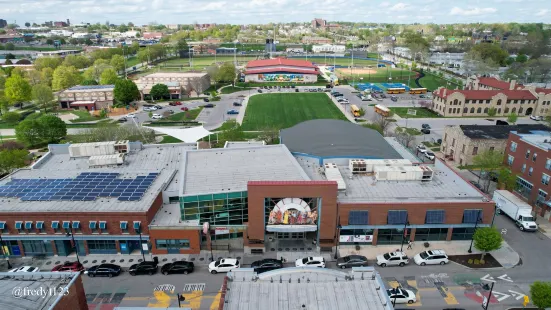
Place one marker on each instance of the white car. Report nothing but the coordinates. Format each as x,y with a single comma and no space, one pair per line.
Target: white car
156,116
149,108
401,296
25,269
536,118
392,259
430,155
344,101
431,257
310,262
421,148
223,265
131,116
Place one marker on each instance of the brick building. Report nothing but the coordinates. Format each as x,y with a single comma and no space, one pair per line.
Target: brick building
462,143
179,83
319,23
529,157
87,97
152,35
316,40
281,70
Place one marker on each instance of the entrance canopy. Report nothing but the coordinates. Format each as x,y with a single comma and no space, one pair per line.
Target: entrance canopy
291,228
188,135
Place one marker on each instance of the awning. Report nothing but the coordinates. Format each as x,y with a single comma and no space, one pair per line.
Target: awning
2,225
66,224
82,103
124,225
39,224
55,225
76,224
18,225
102,225
291,228
92,225
137,225
188,135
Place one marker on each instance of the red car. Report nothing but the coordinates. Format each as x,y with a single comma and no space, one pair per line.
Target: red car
184,109
177,103
69,267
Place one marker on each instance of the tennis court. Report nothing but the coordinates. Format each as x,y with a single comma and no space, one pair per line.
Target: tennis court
395,85
368,86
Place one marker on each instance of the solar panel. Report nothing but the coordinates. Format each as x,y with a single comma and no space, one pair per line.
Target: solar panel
134,198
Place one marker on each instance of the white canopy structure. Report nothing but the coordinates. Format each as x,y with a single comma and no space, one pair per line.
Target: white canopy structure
188,135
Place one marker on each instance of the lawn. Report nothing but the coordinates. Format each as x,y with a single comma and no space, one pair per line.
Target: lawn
83,116
288,109
432,82
421,113
183,116
381,75
233,89
204,61
227,125
132,61
170,139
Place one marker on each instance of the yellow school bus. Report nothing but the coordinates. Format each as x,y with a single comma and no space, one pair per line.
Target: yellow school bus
399,90
355,110
381,109
417,91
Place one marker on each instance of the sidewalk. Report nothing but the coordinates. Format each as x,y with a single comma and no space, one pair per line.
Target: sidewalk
544,226
506,256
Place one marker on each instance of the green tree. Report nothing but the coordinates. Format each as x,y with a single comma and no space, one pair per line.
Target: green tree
492,112
507,179
227,72
11,160
65,77
11,117
488,162
46,76
108,77
53,128
521,58
487,239
9,46
541,294
117,62
89,82
43,96
143,56
159,91
512,118
182,46
77,61
47,62
29,131
17,89
2,81
490,51
125,92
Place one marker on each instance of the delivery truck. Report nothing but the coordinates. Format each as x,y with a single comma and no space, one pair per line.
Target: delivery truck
516,209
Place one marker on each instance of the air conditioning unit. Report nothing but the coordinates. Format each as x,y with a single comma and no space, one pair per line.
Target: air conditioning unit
106,160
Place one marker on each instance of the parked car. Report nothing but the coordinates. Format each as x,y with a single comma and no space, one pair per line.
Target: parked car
156,116
475,184
422,96
431,257
122,120
422,148
341,99
183,267
427,126
25,269
68,267
223,265
149,268
172,104
292,86
344,101
206,100
393,98
184,109
237,104
158,107
338,95
132,115
425,131
104,270
170,112
149,108
383,95
296,90
500,122
401,296
209,105
310,262
232,112
267,264
392,259
260,90
430,155
351,261
536,118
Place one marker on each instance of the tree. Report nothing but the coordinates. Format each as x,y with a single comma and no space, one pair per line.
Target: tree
214,73
512,118
384,122
108,77
182,47
29,132
77,61
117,62
8,62
11,160
47,62
487,239
143,56
9,46
507,179
125,92
89,82
50,42
521,58
11,117
43,96
46,76
65,77
404,136
17,89
159,91
541,294
94,72
490,51
488,161
27,24
227,72
53,128
492,112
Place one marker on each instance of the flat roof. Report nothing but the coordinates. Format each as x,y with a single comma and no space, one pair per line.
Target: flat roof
81,88
174,74
334,138
499,131
241,144
229,170
168,215
12,284
306,288
541,139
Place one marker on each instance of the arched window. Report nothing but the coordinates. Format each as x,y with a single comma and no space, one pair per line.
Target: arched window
499,102
465,110
499,111
485,110
455,102
472,110
479,110
520,110
506,110
513,110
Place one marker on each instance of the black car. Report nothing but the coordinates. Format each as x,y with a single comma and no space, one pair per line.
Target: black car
172,104
177,267
210,105
425,131
292,86
296,90
427,126
237,104
383,95
351,261
206,100
267,264
104,270
158,107
260,90
122,120
143,268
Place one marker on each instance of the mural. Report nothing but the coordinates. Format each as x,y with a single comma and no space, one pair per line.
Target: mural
281,77
292,211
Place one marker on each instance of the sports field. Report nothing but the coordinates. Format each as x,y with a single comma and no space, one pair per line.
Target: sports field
278,111
205,61
377,75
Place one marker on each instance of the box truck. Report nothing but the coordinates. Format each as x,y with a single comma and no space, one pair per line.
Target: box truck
516,209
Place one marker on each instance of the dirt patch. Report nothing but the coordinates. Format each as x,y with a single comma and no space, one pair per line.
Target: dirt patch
67,117
473,261
359,71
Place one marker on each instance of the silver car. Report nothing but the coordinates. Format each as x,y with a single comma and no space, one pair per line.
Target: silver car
392,259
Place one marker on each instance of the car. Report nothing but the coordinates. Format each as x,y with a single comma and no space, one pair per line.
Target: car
177,103
170,112
158,107
341,99
536,118
156,116
260,90
25,269
223,265
475,184
310,262
351,261
184,109
401,296
68,267
206,100
182,267
422,96
292,86
345,101
427,126
237,104
383,95
500,122
338,95
131,115
210,105
232,112
425,131
431,257
392,259
104,270
393,98
296,90
421,148
267,264
172,104
439,141
122,120
149,108
145,267
430,155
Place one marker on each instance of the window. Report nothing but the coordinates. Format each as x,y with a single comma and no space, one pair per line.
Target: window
545,179
514,110
455,102
465,110
453,142
470,216
435,217
472,110
475,150
358,218
534,157
93,227
462,233
530,171
463,149
506,110
66,225
541,197
510,160
527,154
397,217
449,110
172,243
513,147
19,227
103,227
520,110
431,234
29,227
523,187
40,227
76,227
523,168
499,111
124,227
487,101
479,110
548,164
102,246
3,228
137,225
499,102
522,102
55,227
486,110
390,236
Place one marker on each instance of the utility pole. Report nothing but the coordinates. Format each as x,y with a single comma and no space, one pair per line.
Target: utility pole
486,300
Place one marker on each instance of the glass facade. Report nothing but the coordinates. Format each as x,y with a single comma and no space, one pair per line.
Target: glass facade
431,234
462,233
163,244
390,236
217,209
35,247
102,246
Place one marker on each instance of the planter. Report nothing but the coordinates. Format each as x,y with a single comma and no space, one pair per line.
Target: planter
426,244
357,247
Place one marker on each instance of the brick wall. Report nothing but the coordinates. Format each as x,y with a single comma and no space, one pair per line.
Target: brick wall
464,156
194,237
75,300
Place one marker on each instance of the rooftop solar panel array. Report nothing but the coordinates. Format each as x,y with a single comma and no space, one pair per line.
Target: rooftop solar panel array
87,186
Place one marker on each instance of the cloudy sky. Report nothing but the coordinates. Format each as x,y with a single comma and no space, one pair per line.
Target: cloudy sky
264,11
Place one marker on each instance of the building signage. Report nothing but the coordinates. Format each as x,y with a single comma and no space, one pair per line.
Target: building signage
356,238
221,231
282,77
292,215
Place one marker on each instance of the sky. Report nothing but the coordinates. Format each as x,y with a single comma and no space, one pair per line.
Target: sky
142,12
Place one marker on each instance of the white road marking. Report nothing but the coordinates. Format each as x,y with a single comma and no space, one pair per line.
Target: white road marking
516,295
505,278
488,278
500,296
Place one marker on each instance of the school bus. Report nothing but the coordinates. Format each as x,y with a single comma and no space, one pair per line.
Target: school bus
355,110
381,109
399,90
417,90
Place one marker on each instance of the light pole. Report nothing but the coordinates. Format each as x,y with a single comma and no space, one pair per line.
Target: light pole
478,219
404,235
338,241
75,245
486,300
181,298
6,255
139,231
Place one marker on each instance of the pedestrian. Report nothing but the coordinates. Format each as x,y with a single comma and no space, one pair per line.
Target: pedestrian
410,245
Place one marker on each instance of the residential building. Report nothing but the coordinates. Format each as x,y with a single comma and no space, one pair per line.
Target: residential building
179,83
60,24
461,143
3,23
544,101
86,97
316,40
490,83
212,40
173,26
329,48
152,35
319,23
528,155
203,26
280,70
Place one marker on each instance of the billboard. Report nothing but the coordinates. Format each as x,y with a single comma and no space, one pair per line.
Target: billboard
292,214
281,77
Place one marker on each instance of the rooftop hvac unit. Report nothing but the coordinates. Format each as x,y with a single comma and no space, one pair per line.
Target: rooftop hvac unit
405,173
105,160
332,173
122,146
357,165
92,149
368,165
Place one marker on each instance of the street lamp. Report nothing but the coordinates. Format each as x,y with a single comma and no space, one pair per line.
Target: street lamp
478,219
338,241
6,255
405,230
181,298
139,231
71,234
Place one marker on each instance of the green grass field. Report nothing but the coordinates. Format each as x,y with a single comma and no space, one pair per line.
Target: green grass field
232,89
381,76
432,82
421,113
204,61
170,139
184,116
288,109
